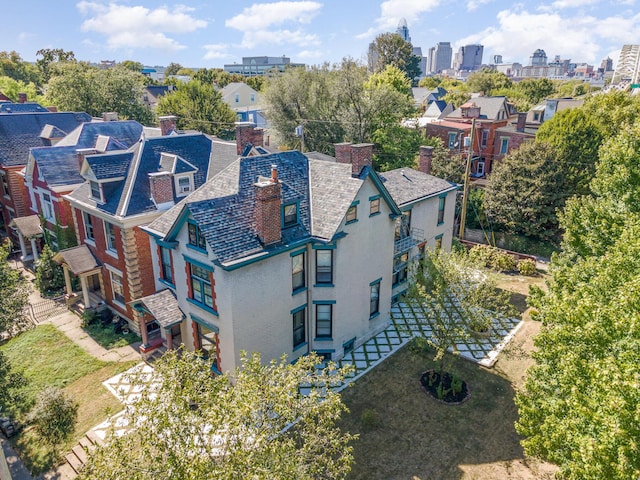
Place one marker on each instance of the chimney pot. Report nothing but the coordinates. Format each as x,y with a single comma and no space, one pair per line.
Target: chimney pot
247,133
361,156
22,97
274,174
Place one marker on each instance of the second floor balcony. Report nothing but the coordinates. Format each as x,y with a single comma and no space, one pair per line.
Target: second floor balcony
405,243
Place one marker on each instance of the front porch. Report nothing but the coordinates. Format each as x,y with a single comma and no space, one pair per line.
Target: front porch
80,262
29,231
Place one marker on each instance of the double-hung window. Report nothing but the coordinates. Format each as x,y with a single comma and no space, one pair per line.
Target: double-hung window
200,280
324,319
504,146
299,333
196,238
184,185
167,265
290,215
374,299
47,207
96,191
453,140
441,205
207,343
352,213
88,226
110,235
297,272
400,268
117,287
324,266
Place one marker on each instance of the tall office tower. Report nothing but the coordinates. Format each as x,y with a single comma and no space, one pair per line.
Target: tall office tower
403,30
628,67
440,57
539,58
468,58
497,59
607,65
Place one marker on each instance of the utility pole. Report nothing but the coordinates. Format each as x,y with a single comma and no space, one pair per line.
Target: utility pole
467,174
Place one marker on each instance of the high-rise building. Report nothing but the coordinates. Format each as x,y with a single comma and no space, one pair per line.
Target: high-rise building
403,30
255,66
468,58
628,67
607,65
439,57
538,59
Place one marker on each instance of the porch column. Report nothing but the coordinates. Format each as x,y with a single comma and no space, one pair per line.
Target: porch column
23,247
34,249
67,279
85,291
143,327
169,337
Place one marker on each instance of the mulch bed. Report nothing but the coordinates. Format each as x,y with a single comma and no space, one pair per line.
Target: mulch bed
430,381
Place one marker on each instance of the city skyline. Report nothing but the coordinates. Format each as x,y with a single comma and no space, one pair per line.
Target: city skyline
312,32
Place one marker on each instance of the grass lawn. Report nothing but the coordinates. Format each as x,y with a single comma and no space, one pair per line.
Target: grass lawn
47,357
417,438
108,338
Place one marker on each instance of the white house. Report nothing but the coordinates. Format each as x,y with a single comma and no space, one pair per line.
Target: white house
289,253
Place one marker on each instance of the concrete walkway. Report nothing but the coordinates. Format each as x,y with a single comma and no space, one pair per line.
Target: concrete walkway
17,470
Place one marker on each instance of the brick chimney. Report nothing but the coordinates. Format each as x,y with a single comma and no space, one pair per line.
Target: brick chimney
426,157
82,153
161,188
268,208
22,97
246,132
361,156
522,121
109,116
343,152
168,124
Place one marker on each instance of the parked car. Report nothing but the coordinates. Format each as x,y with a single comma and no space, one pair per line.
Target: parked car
8,427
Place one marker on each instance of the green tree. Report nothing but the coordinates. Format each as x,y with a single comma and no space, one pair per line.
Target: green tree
172,69
525,191
54,417
487,81
456,299
14,298
535,89
253,423
49,275
390,76
198,106
11,382
132,65
12,66
395,147
189,72
430,82
79,87
458,98
51,57
11,88
255,82
392,49
443,165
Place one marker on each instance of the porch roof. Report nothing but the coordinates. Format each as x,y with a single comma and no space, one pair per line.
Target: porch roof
163,306
79,259
29,226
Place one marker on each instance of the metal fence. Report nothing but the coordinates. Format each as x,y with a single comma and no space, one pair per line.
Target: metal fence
47,308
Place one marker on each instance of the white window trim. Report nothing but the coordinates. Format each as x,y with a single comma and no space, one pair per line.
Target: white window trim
113,270
43,202
89,240
177,184
111,250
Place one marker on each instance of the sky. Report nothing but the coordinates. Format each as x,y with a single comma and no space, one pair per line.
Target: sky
199,33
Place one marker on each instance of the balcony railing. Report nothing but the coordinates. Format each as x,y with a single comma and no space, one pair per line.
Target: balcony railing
405,244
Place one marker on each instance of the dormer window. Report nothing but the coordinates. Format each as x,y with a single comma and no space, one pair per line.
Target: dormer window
290,215
184,185
96,190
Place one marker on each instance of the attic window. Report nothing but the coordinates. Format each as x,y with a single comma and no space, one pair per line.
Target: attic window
96,190
184,185
290,215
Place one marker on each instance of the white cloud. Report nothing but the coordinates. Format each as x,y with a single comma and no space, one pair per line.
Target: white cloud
127,27
391,11
573,3
257,23
311,55
475,4
215,51
519,33
24,36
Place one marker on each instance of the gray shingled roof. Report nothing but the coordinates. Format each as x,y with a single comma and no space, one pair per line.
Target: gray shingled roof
110,165
224,154
489,107
406,185
163,306
79,259
28,226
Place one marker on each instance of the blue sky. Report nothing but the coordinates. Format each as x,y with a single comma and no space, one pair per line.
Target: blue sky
199,33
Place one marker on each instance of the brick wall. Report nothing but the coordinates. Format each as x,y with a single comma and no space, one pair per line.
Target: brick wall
343,152
247,133
426,157
361,156
161,186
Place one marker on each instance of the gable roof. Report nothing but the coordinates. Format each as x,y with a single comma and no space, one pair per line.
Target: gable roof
21,131
407,186
132,195
58,165
490,108
224,208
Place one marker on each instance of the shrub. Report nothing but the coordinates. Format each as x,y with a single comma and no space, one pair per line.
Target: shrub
482,254
527,267
502,261
369,418
49,275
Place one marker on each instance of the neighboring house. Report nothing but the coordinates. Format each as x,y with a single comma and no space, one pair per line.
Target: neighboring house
123,191
245,101
286,253
511,136
153,93
422,97
53,172
490,114
20,132
546,109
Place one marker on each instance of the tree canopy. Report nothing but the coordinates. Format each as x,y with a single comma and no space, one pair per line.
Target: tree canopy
198,106
579,405
14,297
392,49
82,88
12,66
262,421
49,58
